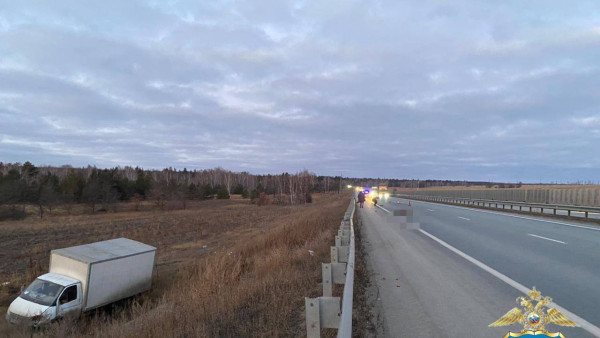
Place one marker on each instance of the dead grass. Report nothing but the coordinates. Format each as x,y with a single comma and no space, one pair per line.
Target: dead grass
251,280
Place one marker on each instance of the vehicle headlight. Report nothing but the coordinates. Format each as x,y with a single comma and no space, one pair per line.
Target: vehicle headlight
37,319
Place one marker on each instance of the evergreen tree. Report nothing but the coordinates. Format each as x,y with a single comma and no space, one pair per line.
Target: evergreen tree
222,193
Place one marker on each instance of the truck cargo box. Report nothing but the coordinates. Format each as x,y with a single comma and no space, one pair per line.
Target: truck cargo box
109,270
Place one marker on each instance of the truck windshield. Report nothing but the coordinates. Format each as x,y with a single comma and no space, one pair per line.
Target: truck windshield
42,292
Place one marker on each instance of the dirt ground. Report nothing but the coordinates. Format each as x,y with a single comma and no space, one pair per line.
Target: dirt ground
205,228
367,312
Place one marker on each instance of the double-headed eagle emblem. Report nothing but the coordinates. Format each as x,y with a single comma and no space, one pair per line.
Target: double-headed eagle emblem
534,318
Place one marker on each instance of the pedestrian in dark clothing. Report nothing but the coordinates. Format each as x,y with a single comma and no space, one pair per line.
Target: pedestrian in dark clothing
361,198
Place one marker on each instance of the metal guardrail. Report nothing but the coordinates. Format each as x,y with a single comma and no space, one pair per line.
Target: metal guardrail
325,312
345,330
483,202
581,195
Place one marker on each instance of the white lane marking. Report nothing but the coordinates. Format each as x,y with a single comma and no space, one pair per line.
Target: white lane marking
430,209
464,218
546,238
384,209
589,327
515,216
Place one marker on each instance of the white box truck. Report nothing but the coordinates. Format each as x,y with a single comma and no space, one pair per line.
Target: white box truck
85,277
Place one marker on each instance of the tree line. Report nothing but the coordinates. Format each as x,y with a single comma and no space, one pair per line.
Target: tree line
414,183
47,187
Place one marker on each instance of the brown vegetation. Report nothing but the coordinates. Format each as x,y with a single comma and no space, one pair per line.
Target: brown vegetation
249,280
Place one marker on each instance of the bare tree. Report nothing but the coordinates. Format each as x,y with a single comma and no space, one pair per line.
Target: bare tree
227,177
158,196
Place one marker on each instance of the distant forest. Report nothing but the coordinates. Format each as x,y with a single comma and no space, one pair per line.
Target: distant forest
406,183
47,187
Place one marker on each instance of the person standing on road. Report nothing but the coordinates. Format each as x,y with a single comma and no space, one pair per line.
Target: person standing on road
375,201
361,198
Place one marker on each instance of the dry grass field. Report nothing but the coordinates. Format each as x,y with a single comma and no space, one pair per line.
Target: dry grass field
249,280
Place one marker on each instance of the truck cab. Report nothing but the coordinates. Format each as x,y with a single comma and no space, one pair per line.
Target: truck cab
49,297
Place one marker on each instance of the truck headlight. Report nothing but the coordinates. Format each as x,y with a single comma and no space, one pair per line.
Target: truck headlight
37,319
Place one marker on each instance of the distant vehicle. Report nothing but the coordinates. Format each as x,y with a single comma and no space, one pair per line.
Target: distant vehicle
85,277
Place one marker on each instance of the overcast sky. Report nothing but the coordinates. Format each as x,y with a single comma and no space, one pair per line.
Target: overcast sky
465,89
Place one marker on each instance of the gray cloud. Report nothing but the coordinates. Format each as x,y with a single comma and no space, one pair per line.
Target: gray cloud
421,89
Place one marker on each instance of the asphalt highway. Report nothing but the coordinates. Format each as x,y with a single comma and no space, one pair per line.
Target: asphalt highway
464,268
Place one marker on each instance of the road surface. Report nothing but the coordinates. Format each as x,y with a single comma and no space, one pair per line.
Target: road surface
462,270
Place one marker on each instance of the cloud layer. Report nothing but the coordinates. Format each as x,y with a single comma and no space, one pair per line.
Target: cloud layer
414,89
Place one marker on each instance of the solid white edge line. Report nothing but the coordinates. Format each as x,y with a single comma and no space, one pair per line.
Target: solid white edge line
468,219
546,238
384,209
515,216
584,324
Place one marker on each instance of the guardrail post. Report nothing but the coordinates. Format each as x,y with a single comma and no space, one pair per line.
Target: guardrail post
321,312
344,235
339,254
327,280
313,322
334,254
333,273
